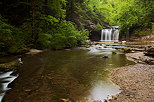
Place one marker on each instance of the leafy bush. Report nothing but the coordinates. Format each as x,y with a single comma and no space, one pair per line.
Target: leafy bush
63,35
10,37
5,35
99,27
44,40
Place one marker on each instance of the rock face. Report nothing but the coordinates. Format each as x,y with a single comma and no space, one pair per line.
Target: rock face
91,26
95,36
149,51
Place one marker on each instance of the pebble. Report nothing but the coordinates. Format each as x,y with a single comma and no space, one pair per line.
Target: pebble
136,81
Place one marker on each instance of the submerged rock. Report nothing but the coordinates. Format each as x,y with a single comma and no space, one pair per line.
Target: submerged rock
105,57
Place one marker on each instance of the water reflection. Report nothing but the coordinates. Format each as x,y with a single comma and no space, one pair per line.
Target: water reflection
83,75
103,90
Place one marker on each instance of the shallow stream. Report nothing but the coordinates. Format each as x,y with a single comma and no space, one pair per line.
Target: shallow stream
76,75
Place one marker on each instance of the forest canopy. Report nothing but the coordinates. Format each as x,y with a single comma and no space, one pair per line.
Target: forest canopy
62,24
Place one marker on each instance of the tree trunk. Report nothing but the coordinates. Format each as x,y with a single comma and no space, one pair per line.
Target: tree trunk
33,24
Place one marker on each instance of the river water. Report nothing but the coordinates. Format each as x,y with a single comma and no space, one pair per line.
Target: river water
78,75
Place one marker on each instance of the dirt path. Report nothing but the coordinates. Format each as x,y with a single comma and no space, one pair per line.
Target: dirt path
136,82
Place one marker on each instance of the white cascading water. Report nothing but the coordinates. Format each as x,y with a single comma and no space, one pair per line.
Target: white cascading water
5,79
110,35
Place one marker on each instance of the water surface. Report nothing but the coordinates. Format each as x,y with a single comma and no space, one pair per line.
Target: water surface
76,75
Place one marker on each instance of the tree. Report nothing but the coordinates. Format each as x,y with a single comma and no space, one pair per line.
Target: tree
128,14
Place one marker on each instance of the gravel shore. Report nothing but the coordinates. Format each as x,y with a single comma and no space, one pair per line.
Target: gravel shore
136,82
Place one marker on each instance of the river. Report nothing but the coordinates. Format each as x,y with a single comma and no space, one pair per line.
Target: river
76,75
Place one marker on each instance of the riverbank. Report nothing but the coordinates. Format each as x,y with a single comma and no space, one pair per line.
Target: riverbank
136,81
16,60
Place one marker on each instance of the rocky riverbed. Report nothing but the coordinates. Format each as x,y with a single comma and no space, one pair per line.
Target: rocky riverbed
135,81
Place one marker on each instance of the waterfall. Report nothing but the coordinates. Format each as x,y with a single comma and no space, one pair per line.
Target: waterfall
5,79
111,34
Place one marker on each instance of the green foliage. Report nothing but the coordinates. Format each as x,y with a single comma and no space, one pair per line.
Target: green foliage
26,29
58,8
5,35
84,11
64,36
99,27
60,23
50,19
128,13
10,37
44,40
152,28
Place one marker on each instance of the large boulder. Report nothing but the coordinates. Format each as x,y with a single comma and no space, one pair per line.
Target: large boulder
149,51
